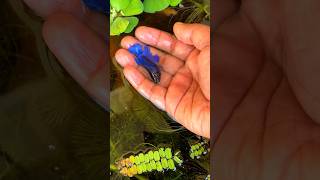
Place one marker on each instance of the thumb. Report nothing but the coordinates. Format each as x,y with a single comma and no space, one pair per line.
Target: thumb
197,35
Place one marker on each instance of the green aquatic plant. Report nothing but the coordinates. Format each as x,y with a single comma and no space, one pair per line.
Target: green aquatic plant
199,149
151,6
200,11
164,158
154,160
122,13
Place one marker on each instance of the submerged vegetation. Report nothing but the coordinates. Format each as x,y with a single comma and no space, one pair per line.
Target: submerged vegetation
145,162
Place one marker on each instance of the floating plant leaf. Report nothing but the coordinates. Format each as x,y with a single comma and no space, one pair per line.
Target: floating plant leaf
152,6
198,150
133,22
135,7
118,26
119,5
143,162
175,2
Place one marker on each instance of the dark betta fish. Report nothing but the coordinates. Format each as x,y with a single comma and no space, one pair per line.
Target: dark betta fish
98,5
145,59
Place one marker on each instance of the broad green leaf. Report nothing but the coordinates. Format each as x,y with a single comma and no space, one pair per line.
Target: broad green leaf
111,20
152,6
118,5
133,22
118,26
135,7
175,2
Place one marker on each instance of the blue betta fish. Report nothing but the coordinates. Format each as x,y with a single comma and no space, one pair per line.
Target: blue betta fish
98,5
145,59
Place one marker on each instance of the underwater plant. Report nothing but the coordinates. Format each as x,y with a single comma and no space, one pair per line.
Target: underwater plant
199,149
153,160
199,11
122,13
166,160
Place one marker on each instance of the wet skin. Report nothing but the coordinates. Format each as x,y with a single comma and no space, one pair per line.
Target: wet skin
266,91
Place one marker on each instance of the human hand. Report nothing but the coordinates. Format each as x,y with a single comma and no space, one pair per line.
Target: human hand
77,38
265,74
184,88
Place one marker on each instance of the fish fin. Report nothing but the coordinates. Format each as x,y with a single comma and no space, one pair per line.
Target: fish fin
156,58
136,49
139,61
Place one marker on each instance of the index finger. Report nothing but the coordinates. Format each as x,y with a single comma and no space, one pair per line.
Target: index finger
163,41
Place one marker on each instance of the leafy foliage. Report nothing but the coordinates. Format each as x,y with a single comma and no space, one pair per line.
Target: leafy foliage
152,6
150,161
122,13
121,9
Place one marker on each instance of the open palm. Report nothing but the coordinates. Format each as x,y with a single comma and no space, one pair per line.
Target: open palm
266,116
184,88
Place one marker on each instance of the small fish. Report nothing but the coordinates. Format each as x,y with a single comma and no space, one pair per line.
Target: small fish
98,5
145,59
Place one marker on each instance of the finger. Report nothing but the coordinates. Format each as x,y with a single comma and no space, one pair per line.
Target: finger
45,8
97,86
197,35
152,92
125,58
81,52
94,20
168,63
164,41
